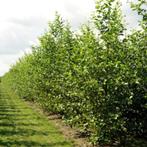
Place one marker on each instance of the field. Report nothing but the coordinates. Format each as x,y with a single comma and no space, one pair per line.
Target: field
22,126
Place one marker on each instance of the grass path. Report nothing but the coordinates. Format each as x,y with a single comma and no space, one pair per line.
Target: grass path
21,126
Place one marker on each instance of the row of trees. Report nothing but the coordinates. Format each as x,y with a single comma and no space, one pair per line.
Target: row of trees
96,78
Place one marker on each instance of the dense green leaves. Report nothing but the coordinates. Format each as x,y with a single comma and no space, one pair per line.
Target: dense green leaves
96,78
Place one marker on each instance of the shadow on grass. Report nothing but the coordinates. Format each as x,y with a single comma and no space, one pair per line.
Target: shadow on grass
9,110
13,115
21,119
25,132
18,124
32,143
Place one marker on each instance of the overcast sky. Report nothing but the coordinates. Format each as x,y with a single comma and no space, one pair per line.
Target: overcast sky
22,21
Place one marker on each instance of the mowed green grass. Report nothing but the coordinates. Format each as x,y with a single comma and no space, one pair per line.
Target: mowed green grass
21,126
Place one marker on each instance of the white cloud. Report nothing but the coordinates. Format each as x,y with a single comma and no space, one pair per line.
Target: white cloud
6,61
3,68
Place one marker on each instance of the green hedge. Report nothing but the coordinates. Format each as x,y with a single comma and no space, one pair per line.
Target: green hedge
96,78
